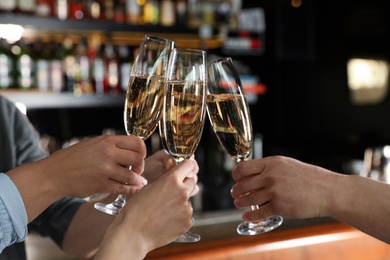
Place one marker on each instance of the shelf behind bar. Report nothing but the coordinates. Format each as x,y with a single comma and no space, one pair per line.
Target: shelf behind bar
35,27
51,23
46,100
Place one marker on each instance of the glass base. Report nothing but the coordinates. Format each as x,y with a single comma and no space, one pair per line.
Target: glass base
112,208
188,237
255,228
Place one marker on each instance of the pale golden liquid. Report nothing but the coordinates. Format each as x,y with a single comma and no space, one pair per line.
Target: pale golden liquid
230,119
144,100
184,118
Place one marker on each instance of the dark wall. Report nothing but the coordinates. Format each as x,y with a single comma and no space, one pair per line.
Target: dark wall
306,112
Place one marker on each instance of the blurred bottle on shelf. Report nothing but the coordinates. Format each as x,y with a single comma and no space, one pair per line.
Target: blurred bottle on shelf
8,6
208,21
76,10
109,10
94,10
111,69
42,54
150,12
27,6
82,69
97,66
6,65
68,58
24,64
194,14
133,11
168,13
126,63
44,8
120,11
56,81
61,9
181,12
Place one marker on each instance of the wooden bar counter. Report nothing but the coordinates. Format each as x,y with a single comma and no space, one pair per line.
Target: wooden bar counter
311,239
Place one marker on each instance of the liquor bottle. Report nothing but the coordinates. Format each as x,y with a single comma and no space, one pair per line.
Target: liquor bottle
27,6
97,74
111,70
24,65
94,9
194,14
181,12
42,55
8,6
133,11
109,10
68,58
167,13
76,10
44,8
61,9
6,65
120,11
150,12
82,69
126,62
56,81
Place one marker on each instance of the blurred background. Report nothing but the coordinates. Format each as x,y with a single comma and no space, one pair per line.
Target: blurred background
315,72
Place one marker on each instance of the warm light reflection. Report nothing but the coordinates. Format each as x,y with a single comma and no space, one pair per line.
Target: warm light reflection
306,241
11,32
296,3
367,80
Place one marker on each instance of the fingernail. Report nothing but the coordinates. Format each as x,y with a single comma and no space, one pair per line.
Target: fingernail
144,182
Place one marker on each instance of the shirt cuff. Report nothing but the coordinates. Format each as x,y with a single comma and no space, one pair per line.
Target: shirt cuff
13,202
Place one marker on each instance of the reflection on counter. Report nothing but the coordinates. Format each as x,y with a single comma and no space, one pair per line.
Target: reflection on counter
308,239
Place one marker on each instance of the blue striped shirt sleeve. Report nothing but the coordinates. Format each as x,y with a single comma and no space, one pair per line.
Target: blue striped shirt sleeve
13,215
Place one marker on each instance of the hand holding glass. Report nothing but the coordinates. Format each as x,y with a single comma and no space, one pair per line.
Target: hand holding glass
184,108
144,97
230,118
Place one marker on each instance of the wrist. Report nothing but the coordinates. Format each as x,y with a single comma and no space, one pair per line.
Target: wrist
35,188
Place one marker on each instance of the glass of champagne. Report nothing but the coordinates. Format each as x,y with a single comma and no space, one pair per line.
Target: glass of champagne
229,114
184,108
144,97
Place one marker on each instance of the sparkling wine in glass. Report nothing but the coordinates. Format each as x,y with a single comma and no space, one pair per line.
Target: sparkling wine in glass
184,108
144,97
229,114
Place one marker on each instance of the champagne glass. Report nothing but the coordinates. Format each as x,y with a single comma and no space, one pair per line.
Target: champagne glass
229,114
144,97
184,108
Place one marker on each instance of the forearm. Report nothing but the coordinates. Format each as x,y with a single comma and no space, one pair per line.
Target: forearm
122,245
86,230
362,203
35,187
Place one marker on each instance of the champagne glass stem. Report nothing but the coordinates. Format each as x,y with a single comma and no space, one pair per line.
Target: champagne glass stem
188,236
112,208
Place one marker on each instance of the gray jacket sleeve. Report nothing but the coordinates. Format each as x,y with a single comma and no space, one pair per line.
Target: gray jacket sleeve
19,144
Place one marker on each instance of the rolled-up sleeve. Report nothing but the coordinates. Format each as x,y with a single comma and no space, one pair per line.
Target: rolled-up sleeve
13,215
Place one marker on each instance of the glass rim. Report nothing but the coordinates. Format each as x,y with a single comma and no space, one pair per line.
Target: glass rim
156,38
221,59
188,50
